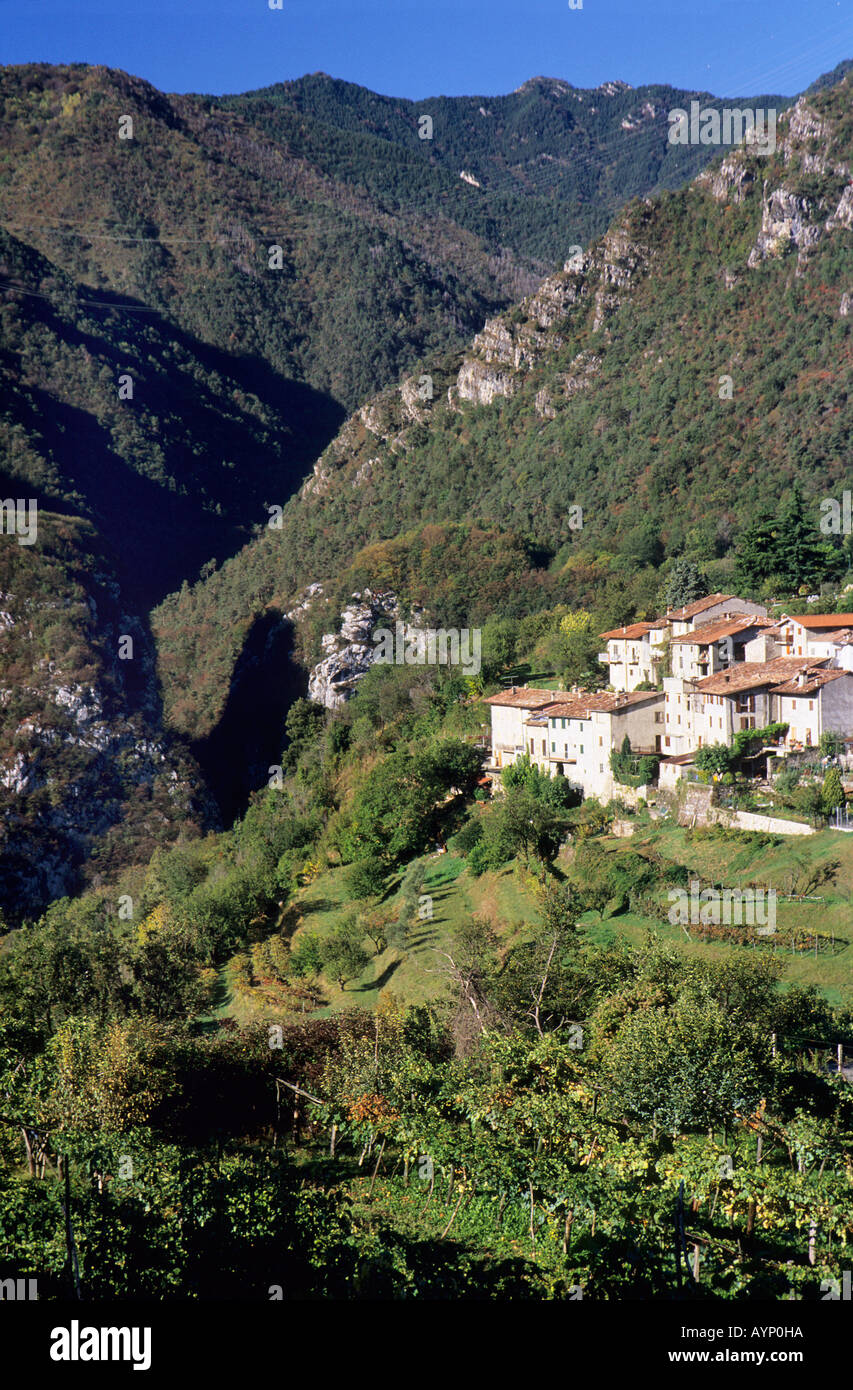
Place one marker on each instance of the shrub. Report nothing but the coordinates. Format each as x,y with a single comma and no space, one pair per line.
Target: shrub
366,878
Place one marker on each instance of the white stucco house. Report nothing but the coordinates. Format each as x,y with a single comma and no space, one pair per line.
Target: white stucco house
573,734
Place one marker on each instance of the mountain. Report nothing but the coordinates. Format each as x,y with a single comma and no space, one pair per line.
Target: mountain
537,171
676,383
180,218
89,779
172,448
386,251
150,257
189,314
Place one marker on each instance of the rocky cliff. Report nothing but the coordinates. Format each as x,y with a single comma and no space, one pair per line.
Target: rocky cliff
350,652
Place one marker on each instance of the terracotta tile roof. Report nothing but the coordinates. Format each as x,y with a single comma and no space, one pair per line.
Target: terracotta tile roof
633,630
523,697
598,702
841,635
723,627
751,675
698,605
819,620
813,682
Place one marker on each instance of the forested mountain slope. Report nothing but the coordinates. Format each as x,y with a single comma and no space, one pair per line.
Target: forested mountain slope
89,781
676,384
164,385
386,252
181,216
551,162
121,417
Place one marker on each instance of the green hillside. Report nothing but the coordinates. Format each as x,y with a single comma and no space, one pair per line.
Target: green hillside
170,447
553,162
683,383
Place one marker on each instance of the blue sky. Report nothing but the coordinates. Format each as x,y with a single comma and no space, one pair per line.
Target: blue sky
419,48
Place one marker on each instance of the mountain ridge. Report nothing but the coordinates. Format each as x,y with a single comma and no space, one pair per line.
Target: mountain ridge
540,412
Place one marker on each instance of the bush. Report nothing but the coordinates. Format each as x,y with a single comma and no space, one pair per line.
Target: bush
306,958
366,879
343,953
714,758
832,793
465,839
787,782
631,770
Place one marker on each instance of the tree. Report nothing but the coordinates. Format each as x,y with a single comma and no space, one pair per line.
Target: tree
304,722
411,889
499,645
375,925
808,800
306,957
68,963
831,744
343,953
631,769
832,793
577,654
685,1068
555,792
366,878
787,547
685,584
714,758
452,765
400,808
642,545
533,826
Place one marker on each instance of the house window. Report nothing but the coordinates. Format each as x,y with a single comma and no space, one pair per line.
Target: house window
563,723
543,747
553,747
581,749
601,767
811,704
658,717
600,742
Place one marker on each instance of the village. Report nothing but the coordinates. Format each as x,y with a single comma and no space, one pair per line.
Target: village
698,677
